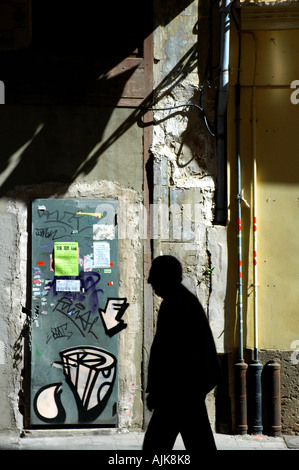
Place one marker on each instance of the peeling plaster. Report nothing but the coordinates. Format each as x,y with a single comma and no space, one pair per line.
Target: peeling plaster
185,167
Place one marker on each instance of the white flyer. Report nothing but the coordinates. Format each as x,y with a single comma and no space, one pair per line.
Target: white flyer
68,285
101,254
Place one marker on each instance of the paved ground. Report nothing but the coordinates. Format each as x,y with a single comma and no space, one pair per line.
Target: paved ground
116,440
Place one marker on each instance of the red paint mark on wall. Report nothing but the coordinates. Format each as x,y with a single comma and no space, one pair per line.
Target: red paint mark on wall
41,263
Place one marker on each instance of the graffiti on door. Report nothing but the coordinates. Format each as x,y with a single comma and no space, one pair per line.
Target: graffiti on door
47,404
74,334
90,373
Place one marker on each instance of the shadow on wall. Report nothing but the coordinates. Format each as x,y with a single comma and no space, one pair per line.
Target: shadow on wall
51,143
61,138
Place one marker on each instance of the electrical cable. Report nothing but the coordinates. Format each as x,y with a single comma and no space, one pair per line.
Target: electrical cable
169,108
173,107
205,80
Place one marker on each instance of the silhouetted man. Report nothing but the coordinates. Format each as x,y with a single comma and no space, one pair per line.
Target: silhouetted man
183,365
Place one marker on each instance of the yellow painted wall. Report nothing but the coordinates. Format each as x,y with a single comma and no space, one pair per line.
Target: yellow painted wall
270,60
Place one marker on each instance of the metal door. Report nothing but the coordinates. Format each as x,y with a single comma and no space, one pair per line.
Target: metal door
76,312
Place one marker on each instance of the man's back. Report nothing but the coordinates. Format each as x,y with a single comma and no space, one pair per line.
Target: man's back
183,353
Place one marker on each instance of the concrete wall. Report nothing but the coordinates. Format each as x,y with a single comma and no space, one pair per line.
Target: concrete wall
10,323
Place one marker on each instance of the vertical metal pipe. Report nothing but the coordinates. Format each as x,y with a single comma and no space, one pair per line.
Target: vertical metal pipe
254,225
241,426
255,368
254,387
220,195
273,398
239,219
240,366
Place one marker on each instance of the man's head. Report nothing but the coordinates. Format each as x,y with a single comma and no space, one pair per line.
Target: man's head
165,275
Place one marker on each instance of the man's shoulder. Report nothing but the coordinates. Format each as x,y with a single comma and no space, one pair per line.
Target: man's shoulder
190,297
184,298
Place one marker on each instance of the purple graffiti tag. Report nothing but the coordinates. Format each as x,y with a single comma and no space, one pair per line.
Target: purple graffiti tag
77,313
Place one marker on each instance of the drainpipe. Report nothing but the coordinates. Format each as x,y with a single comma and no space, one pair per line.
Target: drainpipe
220,196
240,366
255,367
254,225
272,373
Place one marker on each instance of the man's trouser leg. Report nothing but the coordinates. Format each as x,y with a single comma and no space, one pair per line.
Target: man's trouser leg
161,433
196,430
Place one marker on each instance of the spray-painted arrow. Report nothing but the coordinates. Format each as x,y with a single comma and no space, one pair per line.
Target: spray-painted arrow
111,316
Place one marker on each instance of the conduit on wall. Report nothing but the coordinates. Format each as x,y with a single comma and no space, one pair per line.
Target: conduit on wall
220,198
254,226
255,367
240,366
